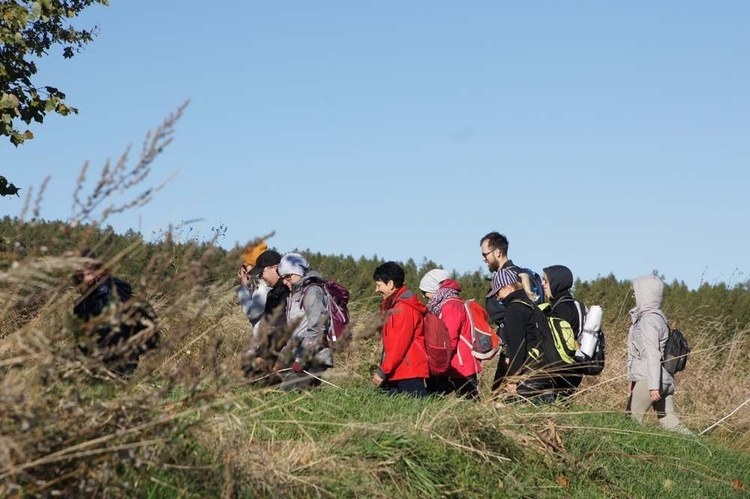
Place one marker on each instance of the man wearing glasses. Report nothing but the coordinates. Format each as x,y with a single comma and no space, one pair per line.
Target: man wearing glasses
494,248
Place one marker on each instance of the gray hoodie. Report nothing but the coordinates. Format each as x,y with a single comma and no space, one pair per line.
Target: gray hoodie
648,333
310,320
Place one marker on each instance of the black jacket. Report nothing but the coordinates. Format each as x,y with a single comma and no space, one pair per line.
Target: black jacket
521,332
91,305
277,297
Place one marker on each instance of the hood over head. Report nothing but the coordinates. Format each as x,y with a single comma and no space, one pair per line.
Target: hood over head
649,291
450,284
560,279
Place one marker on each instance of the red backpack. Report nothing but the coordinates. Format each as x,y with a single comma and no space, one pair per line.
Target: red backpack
437,345
485,342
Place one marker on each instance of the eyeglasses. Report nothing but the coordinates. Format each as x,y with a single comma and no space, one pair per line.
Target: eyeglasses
287,277
484,255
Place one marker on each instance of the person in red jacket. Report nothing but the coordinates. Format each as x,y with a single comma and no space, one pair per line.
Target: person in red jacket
442,293
403,368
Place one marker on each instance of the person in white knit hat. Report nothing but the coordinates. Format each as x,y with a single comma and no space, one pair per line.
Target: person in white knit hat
443,300
307,353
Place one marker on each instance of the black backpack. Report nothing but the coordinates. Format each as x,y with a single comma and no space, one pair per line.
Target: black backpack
676,350
594,365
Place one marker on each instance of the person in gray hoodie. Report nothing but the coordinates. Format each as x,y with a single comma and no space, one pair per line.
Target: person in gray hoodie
306,354
649,384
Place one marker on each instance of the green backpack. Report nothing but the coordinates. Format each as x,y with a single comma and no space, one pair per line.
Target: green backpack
557,338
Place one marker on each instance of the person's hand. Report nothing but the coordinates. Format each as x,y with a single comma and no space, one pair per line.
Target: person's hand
630,387
511,388
260,364
377,380
243,274
655,396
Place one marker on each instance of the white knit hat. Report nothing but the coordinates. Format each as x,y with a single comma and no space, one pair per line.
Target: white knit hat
293,263
432,279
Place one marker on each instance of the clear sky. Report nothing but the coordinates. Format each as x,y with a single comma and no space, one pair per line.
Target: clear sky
606,136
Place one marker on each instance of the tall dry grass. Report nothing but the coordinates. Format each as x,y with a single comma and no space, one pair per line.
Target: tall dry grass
69,427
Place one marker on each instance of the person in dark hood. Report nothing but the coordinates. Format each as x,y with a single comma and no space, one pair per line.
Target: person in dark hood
112,317
557,281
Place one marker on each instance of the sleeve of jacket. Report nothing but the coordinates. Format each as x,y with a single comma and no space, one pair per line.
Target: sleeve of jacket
314,303
515,332
651,325
454,317
398,335
253,302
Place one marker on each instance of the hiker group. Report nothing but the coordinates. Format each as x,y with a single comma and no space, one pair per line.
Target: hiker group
545,340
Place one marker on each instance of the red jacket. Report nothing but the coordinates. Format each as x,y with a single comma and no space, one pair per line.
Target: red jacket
454,315
404,355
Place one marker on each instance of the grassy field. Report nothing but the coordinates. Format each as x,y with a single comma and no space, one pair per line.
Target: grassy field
189,424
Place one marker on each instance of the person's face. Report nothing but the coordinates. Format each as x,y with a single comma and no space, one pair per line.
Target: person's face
384,289
428,295
490,257
270,274
87,277
545,285
290,280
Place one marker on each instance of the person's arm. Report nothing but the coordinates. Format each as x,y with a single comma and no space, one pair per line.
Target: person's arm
515,333
397,337
650,326
314,305
253,302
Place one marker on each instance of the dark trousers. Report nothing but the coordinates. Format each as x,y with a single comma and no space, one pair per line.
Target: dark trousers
467,387
501,372
413,386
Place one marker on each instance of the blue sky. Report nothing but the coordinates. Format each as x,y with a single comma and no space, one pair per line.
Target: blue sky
606,136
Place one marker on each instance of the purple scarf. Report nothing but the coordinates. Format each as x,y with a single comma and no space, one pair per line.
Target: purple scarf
435,304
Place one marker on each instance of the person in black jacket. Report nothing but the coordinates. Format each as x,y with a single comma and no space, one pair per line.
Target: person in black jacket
557,281
494,248
272,326
120,326
525,370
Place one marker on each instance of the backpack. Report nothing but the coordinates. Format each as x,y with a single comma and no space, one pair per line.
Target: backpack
338,300
485,342
556,338
535,282
437,345
676,350
594,365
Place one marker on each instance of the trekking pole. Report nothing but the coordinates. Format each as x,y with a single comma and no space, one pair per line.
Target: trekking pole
322,380
724,418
